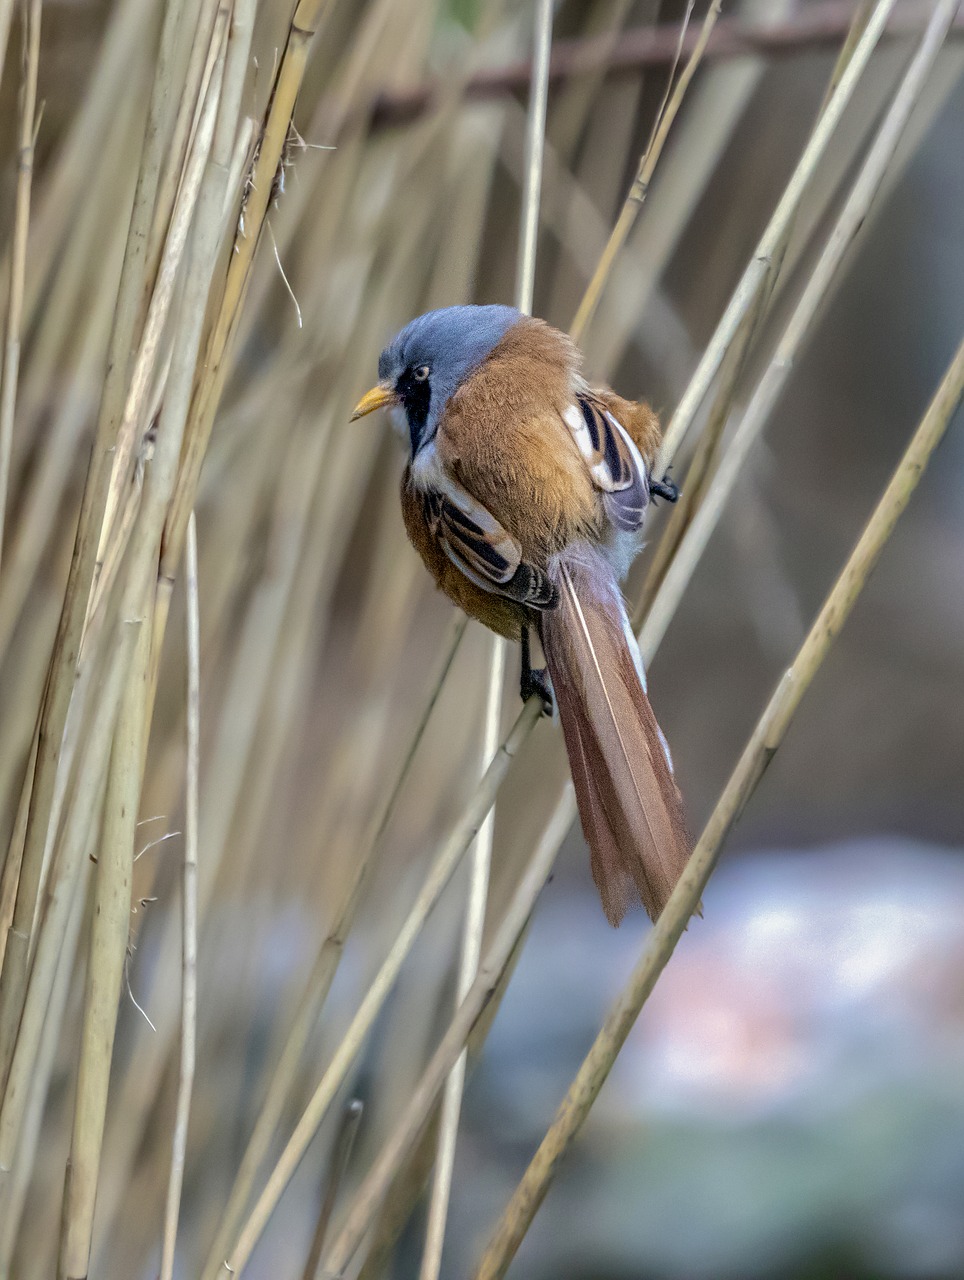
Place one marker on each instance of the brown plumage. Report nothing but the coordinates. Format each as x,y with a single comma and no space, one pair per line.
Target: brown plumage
524,505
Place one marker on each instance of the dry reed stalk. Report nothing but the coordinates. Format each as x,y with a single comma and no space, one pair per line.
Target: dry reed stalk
765,740
847,226
481,855
758,269
370,1195
18,249
271,148
188,906
647,167
83,161
341,1154
199,191
319,981
330,952
138,588
16,1193
442,869
105,967
44,489
41,784
707,451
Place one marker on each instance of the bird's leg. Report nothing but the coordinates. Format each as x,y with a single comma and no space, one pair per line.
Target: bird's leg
664,488
534,681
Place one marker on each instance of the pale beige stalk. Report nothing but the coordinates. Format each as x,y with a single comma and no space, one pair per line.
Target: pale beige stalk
449,856
188,906
18,250
759,751
758,268
340,1155
370,1196
847,226
105,966
647,167
481,857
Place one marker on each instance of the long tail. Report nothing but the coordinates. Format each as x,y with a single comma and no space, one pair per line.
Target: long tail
630,806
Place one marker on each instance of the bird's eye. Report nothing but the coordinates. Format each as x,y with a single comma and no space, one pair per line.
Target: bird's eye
421,373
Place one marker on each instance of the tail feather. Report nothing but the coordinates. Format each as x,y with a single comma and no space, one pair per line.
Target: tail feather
629,804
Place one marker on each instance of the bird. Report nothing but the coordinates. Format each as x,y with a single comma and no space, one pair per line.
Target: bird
525,494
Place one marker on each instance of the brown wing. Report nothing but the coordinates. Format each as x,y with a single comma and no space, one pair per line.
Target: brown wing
614,461
483,550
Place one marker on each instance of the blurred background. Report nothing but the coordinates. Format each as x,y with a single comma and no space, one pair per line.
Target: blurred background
791,1101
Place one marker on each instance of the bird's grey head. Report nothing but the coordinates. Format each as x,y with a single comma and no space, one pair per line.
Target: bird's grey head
431,357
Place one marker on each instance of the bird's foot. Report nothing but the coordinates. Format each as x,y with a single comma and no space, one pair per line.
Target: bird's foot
536,681
664,488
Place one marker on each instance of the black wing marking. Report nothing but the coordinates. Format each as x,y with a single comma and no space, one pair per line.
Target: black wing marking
614,462
484,551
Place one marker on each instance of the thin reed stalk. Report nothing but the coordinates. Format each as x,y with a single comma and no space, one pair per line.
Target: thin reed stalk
481,855
105,967
189,911
763,744
759,266
707,451
644,176
319,981
370,1196
341,1154
18,251
442,869
798,328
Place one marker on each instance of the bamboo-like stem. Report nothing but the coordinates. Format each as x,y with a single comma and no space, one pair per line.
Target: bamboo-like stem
188,907
140,562
535,147
758,268
319,984
192,93
121,57
479,870
448,858
341,1154
370,1195
481,859
196,187
208,235
15,1193
40,783
647,167
105,968
284,93
759,751
18,250
848,224
707,450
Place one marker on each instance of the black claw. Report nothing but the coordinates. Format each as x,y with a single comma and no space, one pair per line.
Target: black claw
537,682
534,681
664,488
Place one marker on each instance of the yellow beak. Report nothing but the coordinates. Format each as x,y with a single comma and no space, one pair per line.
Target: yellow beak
377,398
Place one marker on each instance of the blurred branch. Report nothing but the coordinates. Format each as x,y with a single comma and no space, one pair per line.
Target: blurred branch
819,26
